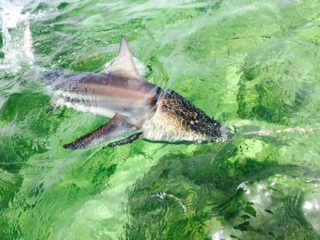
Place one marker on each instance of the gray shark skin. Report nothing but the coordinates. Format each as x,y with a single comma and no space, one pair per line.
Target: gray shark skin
137,108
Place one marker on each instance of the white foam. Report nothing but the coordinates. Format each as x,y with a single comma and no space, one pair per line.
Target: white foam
28,49
17,45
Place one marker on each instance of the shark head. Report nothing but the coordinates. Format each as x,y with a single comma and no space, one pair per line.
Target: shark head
177,120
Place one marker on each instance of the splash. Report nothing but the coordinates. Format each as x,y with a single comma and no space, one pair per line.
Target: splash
16,37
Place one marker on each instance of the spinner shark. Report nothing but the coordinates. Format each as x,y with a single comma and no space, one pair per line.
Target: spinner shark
137,108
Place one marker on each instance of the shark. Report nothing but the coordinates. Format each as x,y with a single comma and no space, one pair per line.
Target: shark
136,107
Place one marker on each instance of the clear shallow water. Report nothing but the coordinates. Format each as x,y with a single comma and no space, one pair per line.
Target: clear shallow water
250,64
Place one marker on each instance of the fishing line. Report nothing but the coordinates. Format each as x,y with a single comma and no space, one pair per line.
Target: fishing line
267,133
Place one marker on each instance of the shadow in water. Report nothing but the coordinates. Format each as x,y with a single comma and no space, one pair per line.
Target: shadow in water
198,197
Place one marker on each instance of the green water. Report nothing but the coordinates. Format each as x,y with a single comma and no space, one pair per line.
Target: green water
250,64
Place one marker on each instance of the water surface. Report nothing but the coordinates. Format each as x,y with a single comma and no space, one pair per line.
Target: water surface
250,64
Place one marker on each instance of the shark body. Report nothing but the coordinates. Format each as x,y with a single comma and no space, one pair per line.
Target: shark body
137,108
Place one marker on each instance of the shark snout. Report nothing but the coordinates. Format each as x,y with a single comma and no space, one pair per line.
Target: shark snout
225,135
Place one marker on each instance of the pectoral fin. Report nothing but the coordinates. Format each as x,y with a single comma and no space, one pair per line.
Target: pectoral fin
118,130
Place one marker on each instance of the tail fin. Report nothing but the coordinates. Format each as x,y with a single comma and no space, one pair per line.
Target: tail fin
52,78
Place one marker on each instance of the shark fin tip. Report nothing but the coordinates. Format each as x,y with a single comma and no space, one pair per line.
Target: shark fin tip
70,146
124,48
123,65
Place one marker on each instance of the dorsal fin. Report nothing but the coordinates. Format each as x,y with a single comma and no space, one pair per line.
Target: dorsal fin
123,65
